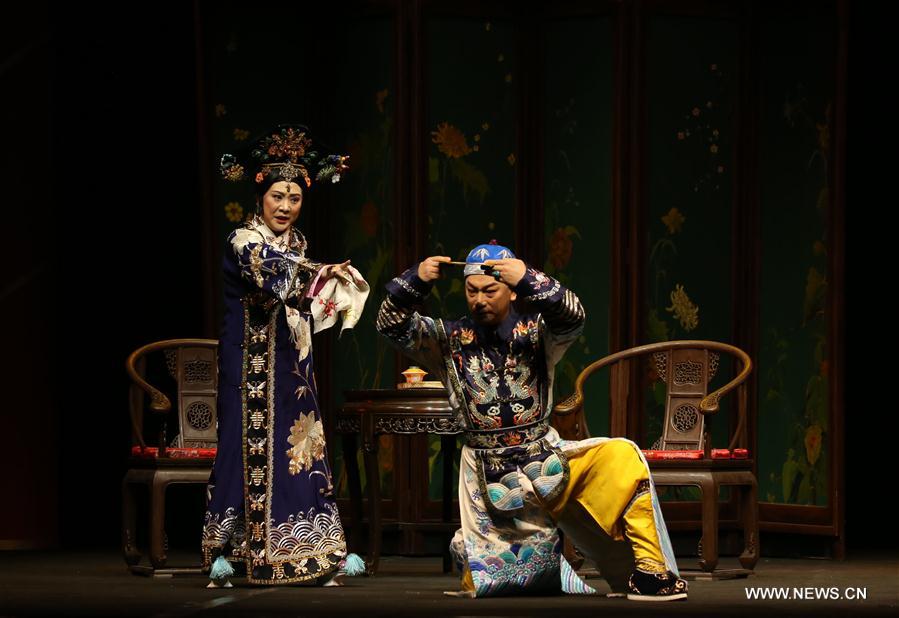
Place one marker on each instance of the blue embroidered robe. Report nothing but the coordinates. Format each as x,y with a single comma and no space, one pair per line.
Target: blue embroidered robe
499,381
270,498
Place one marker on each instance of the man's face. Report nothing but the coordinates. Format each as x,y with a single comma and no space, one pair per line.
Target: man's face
489,300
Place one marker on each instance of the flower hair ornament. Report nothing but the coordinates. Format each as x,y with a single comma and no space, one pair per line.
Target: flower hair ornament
284,153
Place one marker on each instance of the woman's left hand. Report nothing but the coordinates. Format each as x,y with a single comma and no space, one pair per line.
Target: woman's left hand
338,270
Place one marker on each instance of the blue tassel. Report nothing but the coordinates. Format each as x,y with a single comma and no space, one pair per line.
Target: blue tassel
221,569
354,565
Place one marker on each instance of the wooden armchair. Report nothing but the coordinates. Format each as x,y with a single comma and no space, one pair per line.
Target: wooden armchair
187,458
683,455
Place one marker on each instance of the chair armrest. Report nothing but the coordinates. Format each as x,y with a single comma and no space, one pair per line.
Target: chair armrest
570,405
709,403
574,403
158,401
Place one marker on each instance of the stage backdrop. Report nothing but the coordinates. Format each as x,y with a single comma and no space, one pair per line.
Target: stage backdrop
673,163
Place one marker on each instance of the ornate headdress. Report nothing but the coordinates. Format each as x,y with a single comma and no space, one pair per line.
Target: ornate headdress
283,154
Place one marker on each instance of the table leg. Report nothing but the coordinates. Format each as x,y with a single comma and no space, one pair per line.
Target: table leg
373,487
350,449
448,448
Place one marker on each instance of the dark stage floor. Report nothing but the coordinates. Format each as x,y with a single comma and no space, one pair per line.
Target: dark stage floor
97,584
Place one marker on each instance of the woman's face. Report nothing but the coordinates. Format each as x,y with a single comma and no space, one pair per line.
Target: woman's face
281,205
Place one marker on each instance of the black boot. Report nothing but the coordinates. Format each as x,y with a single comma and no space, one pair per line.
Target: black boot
645,586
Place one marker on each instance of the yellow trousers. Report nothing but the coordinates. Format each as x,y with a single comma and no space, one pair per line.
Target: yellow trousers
611,483
606,510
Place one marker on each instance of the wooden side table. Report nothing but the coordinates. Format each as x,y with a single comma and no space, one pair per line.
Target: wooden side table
371,413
